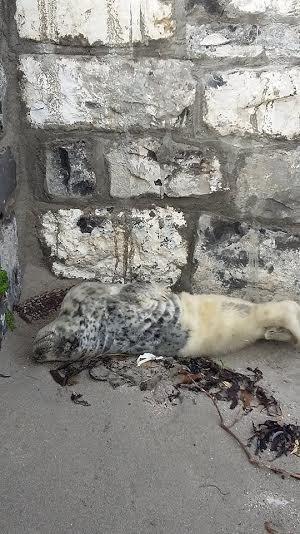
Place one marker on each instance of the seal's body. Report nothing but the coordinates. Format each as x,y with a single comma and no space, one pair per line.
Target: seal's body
97,319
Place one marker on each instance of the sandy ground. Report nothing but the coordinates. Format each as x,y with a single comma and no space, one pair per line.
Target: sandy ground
123,465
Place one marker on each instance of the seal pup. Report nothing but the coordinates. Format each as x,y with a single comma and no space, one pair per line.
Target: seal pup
98,319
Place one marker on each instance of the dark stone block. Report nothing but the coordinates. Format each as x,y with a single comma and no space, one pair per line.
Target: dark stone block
68,171
245,260
211,6
8,179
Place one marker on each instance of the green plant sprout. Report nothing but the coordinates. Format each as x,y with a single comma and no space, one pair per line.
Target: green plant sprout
4,287
10,320
4,283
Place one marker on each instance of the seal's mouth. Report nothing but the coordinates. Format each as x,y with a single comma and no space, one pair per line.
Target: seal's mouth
43,347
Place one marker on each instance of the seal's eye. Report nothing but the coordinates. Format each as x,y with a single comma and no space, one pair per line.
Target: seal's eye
39,354
67,346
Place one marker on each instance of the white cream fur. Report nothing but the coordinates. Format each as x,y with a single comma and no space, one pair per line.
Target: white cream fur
218,324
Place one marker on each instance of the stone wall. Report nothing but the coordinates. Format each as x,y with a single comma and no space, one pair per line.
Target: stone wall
9,264
162,140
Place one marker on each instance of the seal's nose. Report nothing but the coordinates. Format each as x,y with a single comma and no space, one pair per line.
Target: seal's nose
39,354
43,346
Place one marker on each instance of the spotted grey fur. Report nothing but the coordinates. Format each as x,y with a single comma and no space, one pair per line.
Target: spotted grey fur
98,319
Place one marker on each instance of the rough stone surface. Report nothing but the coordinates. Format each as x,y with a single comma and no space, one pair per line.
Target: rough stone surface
254,102
268,186
7,177
239,9
10,264
68,171
9,258
108,93
146,167
111,247
280,41
191,174
3,85
242,41
223,41
250,262
166,101
134,169
276,7
112,22
3,327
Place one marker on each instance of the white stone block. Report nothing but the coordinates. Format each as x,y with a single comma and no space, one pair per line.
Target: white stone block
254,102
193,175
135,169
110,22
275,7
142,244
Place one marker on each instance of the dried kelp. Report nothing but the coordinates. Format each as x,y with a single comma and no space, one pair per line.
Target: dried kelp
228,385
166,379
251,459
278,437
225,384
77,399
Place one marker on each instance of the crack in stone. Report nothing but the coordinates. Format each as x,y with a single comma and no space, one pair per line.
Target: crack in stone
269,101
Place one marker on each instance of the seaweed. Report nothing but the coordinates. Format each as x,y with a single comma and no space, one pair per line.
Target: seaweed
77,399
227,384
281,438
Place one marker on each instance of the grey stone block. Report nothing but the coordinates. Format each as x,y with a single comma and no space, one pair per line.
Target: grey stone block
268,185
110,93
147,166
246,261
227,41
220,41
